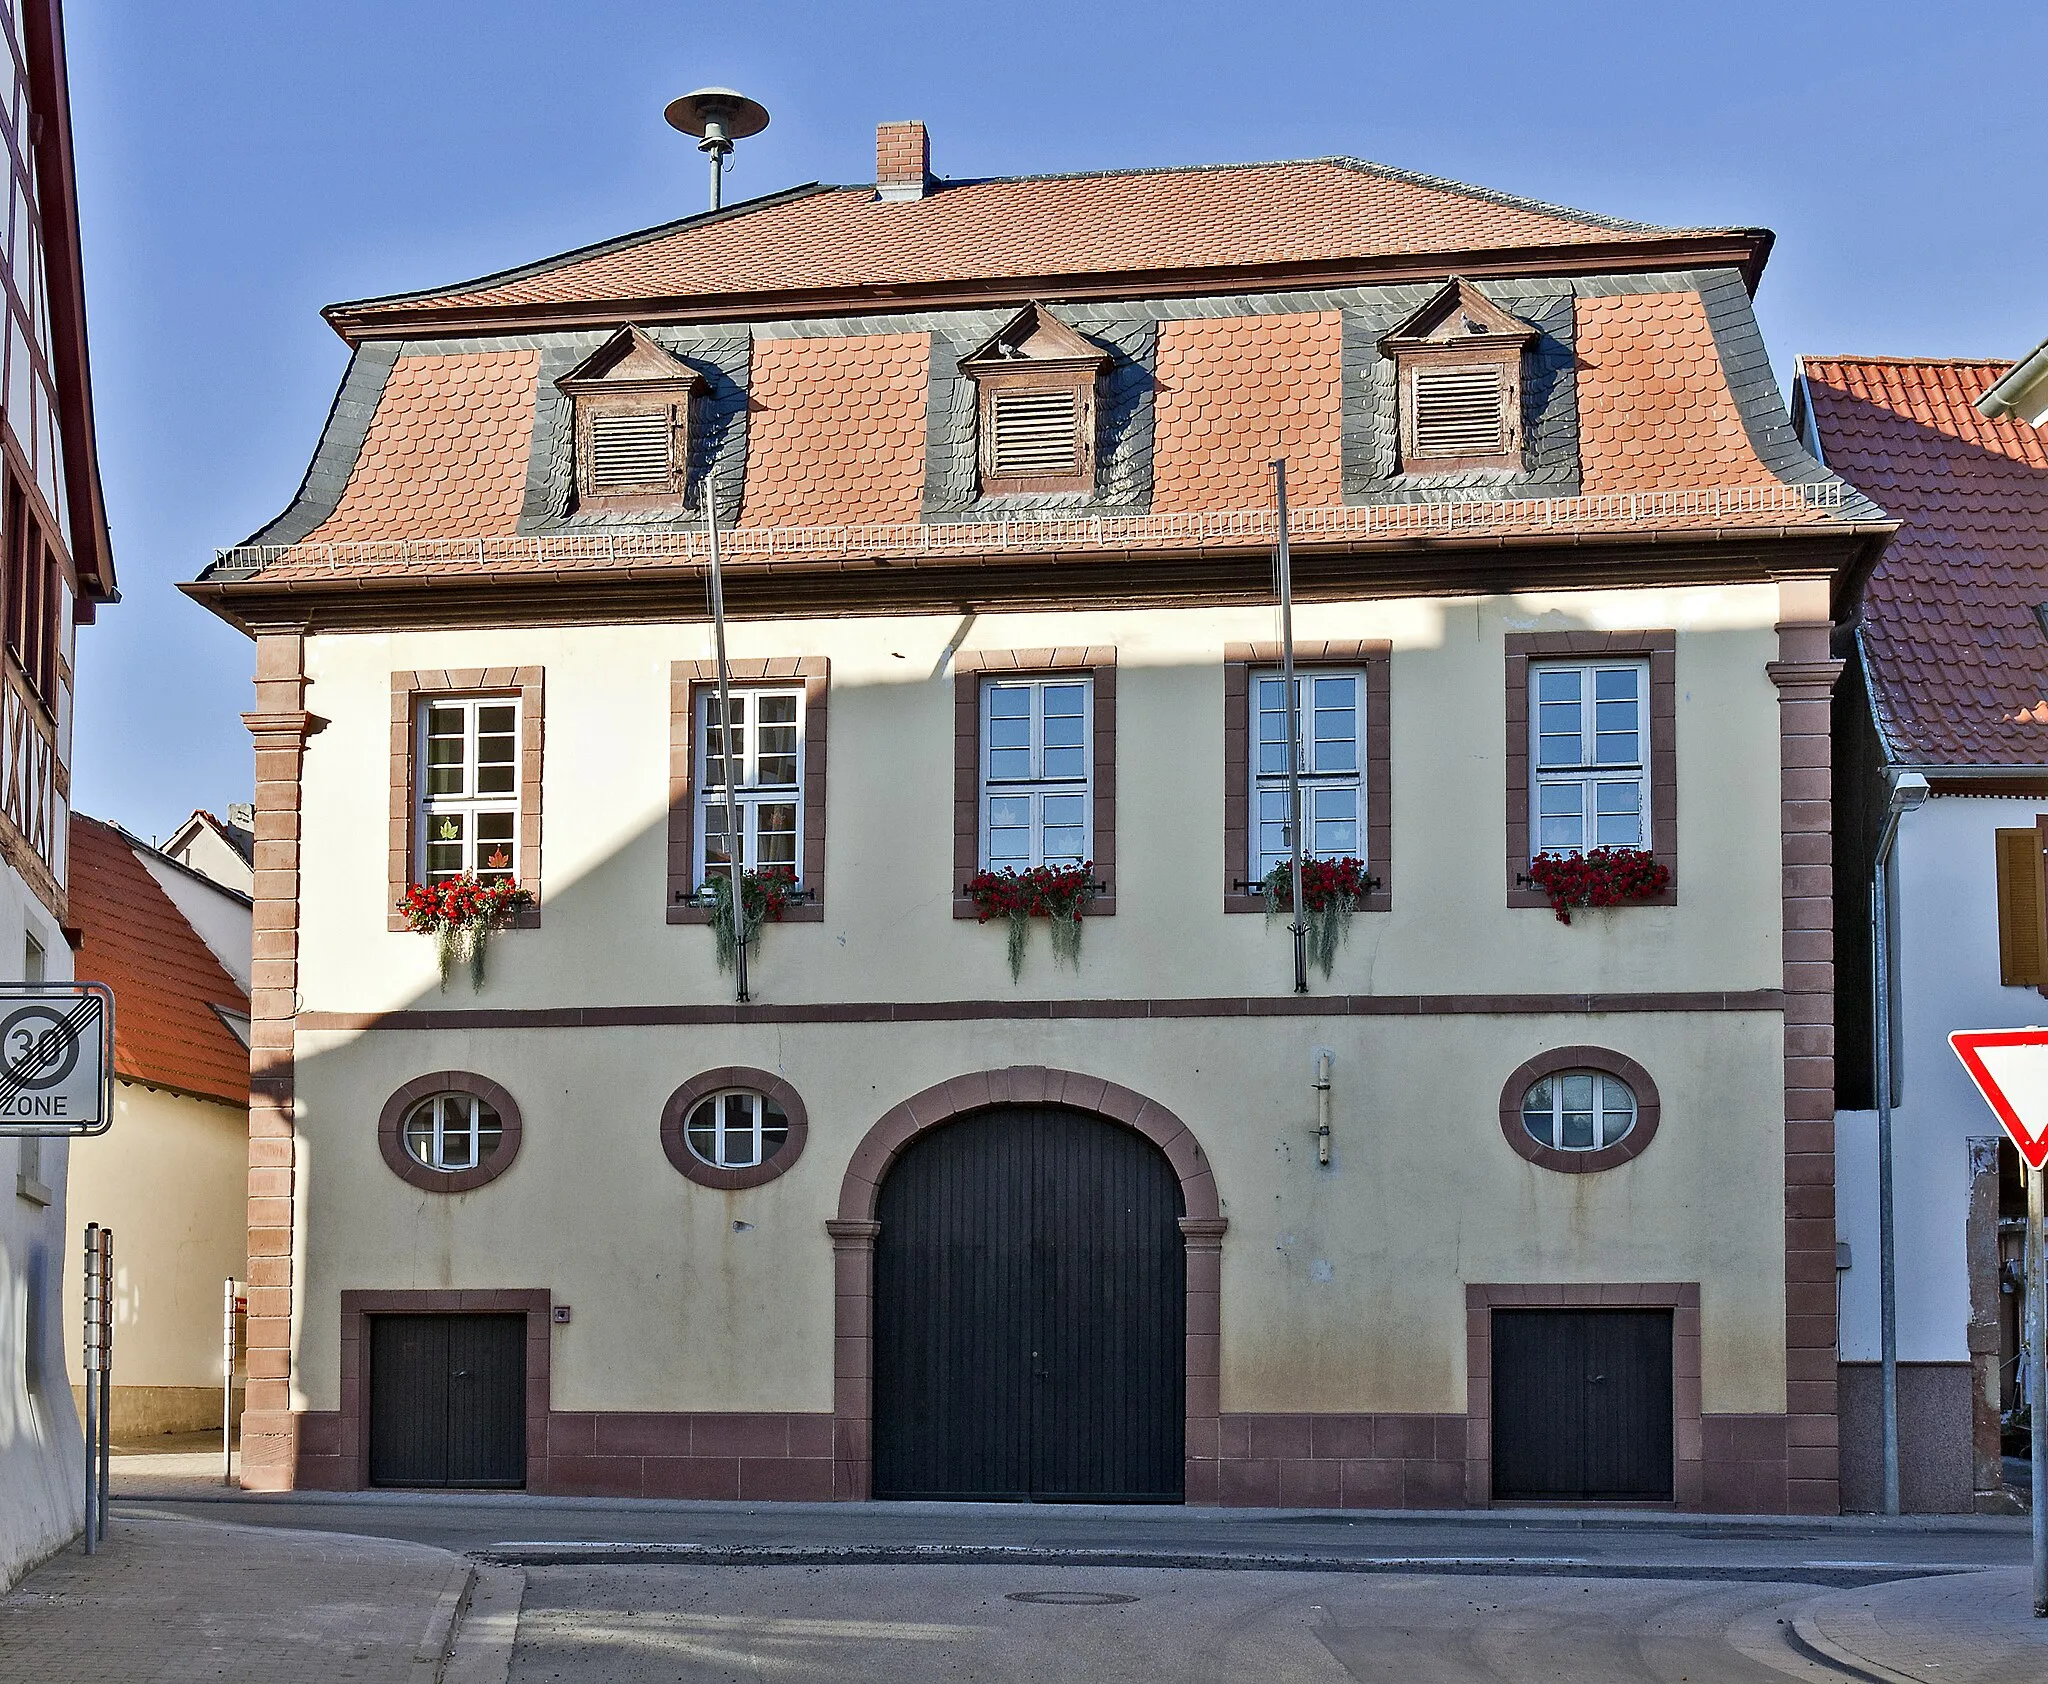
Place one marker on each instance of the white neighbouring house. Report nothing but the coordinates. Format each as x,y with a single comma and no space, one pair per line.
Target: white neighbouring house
1948,679
56,567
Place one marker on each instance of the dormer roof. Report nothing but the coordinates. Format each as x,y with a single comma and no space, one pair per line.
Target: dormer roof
630,361
1458,314
1034,336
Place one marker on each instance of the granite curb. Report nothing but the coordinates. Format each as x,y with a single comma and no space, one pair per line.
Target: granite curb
1957,1628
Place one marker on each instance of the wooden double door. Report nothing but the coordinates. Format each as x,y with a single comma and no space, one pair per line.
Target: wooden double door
1582,1405
1030,1313
448,1400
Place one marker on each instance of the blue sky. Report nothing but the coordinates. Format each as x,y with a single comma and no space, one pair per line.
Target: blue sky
242,164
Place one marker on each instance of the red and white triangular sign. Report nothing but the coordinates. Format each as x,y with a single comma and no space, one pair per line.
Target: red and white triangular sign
2010,1068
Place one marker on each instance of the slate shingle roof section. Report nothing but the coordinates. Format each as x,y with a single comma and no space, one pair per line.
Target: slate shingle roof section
445,453
1233,393
1957,661
1655,411
835,432
165,979
1135,221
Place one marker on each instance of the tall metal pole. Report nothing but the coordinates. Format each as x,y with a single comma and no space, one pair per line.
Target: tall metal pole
718,153
2037,1378
1283,568
734,845
1887,1244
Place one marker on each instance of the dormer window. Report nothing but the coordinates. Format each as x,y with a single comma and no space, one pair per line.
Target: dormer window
1458,373
1035,406
633,415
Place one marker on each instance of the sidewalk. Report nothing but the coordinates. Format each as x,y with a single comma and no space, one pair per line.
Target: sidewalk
169,1601
1964,1628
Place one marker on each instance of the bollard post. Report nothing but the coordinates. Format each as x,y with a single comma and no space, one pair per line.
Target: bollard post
94,1331
227,1383
106,1371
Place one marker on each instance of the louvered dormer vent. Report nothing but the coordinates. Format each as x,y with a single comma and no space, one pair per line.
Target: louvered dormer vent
1459,412
1035,434
631,452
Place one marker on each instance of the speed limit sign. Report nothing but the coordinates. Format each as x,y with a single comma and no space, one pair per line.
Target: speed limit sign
56,1058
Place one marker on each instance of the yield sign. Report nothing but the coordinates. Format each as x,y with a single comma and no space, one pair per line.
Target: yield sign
2010,1068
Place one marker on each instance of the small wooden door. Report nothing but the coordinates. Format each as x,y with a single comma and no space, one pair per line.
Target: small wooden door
1582,1405
1030,1314
448,1400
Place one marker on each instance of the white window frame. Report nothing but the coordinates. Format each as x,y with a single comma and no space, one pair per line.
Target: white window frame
1264,783
1600,1112
708,777
1037,785
1588,774
752,1128
468,803
465,1128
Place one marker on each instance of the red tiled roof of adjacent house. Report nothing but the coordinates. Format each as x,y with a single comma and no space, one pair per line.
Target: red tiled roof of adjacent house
1655,412
835,430
165,979
1958,662
446,452
1135,221
1234,392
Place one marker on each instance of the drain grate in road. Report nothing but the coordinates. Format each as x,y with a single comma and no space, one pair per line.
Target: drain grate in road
1069,1598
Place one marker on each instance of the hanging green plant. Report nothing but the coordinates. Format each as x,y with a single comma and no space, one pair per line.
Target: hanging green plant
461,913
1332,889
1058,894
765,896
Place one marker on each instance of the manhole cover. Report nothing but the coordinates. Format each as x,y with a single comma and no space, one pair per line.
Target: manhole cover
1070,1598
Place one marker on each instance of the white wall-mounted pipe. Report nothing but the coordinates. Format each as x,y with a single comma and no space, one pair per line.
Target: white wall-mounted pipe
1324,1059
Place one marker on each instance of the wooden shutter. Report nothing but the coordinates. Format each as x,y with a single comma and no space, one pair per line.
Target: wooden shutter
631,450
1459,412
1036,433
2020,913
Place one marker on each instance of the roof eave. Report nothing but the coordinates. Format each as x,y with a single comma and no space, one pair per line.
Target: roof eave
1743,249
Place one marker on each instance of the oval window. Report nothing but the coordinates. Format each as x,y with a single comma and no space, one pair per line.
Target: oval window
451,1132
736,1129
1578,1111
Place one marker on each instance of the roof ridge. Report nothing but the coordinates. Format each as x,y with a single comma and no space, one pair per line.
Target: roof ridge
1904,361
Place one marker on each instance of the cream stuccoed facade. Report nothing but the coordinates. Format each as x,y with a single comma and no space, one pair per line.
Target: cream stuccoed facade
1342,1289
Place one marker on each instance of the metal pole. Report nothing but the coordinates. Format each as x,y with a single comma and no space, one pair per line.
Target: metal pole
1887,1252
1283,567
2037,1378
733,840
227,1383
106,1370
92,1397
717,174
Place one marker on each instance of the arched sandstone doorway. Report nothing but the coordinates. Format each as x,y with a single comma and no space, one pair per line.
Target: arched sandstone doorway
855,1228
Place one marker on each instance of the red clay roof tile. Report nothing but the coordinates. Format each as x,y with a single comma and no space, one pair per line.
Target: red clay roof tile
1655,412
165,979
835,430
1234,392
1322,209
1957,660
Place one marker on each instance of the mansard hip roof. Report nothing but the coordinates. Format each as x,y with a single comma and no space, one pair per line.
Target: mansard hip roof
1011,233
1950,625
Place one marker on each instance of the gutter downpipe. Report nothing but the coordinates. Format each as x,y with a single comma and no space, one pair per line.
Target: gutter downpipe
1908,791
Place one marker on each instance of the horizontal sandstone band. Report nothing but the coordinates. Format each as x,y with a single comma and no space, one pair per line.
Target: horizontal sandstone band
948,1011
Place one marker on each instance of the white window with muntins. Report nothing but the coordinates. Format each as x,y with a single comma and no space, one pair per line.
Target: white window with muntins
1037,772
452,1131
767,772
1579,1111
468,814
1330,736
737,1129
1589,748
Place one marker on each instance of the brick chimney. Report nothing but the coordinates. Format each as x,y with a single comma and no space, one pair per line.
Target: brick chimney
903,161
